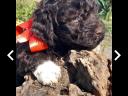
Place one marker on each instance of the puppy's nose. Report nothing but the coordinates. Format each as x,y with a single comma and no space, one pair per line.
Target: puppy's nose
100,29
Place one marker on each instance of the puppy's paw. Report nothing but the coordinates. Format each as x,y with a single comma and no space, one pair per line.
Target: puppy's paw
48,73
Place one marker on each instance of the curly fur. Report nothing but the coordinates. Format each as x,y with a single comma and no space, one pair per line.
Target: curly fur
63,25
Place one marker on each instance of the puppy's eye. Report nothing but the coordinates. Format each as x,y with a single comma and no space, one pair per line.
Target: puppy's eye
62,13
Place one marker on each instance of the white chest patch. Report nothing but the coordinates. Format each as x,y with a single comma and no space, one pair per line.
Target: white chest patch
48,73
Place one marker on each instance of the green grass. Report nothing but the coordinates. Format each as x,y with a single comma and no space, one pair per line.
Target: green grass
106,13
24,9
107,20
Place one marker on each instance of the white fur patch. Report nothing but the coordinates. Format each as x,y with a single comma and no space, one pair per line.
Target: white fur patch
48,73
20,39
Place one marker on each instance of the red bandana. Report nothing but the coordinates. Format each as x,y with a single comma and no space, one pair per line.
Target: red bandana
24,34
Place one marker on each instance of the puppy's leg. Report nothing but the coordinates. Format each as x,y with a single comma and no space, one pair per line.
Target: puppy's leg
48,73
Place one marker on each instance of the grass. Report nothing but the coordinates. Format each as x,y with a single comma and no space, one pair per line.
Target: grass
108,21
24,9
105,13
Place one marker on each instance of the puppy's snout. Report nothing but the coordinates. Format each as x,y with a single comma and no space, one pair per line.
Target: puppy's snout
100,28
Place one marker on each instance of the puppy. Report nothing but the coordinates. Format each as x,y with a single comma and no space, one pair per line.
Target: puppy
63,25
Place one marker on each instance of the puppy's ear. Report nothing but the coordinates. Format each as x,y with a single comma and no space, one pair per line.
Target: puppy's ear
42,26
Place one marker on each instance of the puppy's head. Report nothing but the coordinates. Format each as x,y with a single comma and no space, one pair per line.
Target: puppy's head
79,25
73,23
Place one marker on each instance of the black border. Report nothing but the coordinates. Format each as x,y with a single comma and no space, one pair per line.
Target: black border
7,44
119,43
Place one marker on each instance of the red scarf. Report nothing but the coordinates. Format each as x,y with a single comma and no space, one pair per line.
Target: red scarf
24,34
